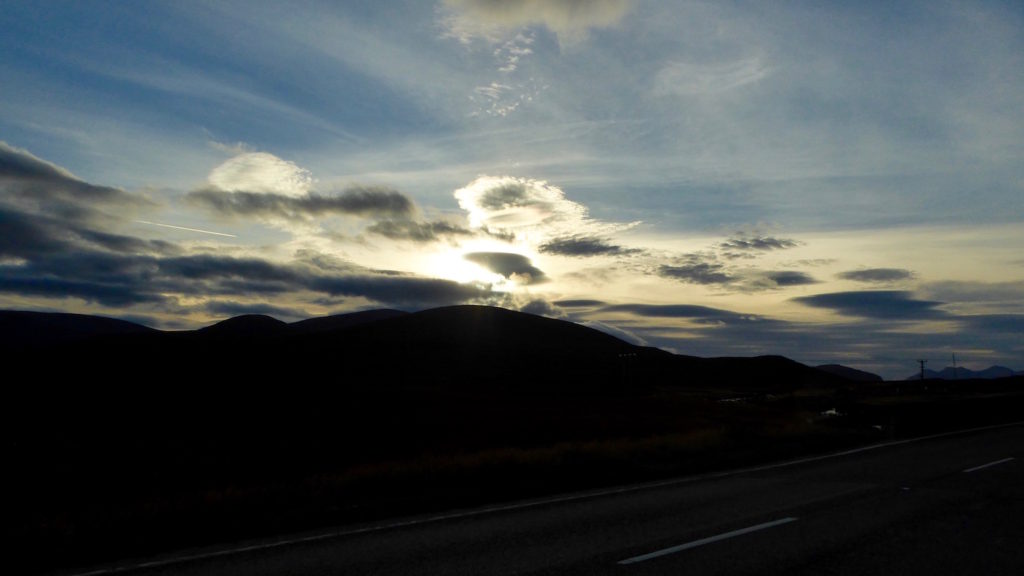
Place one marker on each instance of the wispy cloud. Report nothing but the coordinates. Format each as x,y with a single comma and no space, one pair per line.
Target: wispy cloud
681,78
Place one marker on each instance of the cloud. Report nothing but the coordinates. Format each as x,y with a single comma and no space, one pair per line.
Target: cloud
620,333
704,314
584,246
1007,324
696,273
231,308
790,278
263,173
417,231
977,292
22,164
877,275
530,209
699,78
570,19
877,304
512,266
124,279
762,243
53,246
32,185
578,303
540,307
359,201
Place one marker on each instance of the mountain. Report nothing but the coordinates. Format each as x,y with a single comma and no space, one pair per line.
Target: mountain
341,321
245,326
22,330
476,348
961,373
850,373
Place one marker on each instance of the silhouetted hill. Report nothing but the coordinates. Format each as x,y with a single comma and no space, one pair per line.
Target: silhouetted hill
247,325
477,347
341,321
850,373
22,329
961,373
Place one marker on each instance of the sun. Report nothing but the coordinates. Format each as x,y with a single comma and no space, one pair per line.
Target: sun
452,265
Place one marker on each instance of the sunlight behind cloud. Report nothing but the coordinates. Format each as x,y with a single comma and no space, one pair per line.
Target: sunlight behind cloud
261,172
533,210
567,18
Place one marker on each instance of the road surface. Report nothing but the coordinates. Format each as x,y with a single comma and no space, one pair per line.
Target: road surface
946,505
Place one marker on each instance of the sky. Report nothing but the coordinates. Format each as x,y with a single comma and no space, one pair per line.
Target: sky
835,182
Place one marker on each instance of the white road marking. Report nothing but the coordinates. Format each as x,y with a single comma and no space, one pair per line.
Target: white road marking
184,228
708,540
983,466
528,504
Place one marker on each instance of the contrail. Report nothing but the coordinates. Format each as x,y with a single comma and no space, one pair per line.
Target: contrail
184,228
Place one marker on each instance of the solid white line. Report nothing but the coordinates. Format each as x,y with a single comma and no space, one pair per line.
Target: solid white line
529,504
983,466
708,540
184,228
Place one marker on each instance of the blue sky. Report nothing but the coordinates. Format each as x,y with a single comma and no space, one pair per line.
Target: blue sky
835,182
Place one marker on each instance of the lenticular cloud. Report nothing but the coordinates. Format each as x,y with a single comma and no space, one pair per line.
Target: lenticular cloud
261,173
532,210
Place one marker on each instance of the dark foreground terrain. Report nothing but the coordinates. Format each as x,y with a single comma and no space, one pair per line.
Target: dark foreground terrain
125,442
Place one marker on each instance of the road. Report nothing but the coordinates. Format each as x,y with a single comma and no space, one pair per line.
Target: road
947,505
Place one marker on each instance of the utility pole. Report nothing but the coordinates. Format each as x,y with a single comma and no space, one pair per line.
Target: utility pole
922,362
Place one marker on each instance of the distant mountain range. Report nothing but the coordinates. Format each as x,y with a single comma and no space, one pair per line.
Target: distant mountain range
451,346
961,373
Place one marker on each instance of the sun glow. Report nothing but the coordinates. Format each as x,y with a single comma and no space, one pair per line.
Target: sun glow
451,265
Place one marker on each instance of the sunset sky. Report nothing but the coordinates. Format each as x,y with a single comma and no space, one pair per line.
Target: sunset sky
836,182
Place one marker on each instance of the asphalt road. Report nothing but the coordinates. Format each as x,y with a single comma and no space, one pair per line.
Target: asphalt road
946,505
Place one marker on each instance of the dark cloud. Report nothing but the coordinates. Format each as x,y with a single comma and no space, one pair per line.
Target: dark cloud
418,231
35,186
107,293
21,164
54,246
584,246
877,275
25,235
578,303
541,307
401,291
1005,293
508,265
697,273
118,280
22,235
790,278
359,201
700,313
1012,324
507,195
232,308
878,304
762,243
